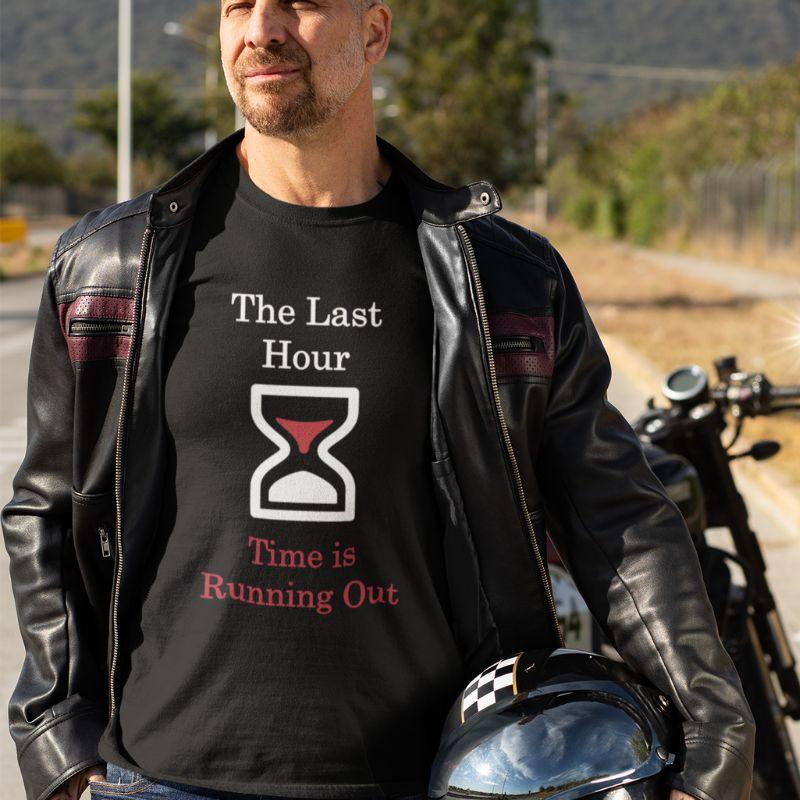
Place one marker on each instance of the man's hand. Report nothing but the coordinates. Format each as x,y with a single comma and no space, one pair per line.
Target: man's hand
676,794
74,787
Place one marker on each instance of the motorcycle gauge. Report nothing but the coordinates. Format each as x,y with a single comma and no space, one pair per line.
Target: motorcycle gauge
687,385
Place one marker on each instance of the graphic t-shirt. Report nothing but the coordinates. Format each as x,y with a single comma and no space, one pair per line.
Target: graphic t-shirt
294,637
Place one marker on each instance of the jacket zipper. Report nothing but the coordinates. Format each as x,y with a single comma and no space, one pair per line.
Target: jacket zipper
533,343
137,295
88,326
520,491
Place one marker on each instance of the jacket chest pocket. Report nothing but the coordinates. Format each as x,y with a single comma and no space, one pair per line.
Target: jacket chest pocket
93,524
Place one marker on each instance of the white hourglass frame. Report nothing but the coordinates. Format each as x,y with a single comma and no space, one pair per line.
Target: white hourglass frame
257,392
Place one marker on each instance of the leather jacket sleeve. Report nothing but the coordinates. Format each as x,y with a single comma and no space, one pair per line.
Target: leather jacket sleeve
53,720
630,553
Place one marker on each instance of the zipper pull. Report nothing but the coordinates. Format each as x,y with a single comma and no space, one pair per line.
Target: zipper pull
105,547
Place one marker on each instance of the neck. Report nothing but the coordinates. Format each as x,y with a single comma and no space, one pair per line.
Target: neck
335,169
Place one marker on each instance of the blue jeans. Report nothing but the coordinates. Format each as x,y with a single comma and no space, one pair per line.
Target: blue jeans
122,782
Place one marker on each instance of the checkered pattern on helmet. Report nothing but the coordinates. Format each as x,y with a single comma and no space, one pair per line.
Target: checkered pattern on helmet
495,683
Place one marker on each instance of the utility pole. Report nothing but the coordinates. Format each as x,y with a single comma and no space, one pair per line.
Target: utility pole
124,137
208,42
540,197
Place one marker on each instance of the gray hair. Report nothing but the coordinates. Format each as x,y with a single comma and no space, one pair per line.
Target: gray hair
360,6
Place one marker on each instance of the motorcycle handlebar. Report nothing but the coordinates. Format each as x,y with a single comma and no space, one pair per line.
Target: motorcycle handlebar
785,392
757,398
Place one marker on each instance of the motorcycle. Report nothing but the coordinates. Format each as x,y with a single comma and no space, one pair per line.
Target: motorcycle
684,446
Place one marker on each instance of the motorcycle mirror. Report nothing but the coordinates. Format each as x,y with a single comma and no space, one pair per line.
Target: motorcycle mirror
764,449
760,451
725,366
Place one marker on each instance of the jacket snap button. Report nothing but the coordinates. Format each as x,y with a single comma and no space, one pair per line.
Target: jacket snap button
173,206
485,198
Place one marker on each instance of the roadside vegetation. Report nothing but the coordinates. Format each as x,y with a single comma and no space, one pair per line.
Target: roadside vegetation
636,179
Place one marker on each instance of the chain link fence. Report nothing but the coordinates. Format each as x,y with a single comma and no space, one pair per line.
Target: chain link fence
756,204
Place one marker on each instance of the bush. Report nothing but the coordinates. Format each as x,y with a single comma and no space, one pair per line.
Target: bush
26,158
646,200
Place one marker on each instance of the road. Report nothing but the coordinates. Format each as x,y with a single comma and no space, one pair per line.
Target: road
749,282
18,303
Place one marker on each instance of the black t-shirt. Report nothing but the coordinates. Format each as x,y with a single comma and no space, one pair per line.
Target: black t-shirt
294,636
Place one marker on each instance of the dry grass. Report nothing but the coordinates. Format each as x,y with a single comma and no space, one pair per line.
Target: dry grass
675,319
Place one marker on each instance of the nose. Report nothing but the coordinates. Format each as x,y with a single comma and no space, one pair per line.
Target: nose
264,27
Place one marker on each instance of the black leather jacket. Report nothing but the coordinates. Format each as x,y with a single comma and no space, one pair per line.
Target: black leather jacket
523,437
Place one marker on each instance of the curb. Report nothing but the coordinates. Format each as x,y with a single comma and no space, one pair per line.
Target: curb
775,487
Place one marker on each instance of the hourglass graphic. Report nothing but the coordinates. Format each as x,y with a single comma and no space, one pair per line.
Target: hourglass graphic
301,480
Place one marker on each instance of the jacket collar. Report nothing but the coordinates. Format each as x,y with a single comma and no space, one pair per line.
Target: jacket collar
172,202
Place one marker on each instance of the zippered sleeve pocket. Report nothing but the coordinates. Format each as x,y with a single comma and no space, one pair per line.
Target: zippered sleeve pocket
97,326
522,344
528,343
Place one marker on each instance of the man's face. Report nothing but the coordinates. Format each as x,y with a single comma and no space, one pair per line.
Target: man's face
321,40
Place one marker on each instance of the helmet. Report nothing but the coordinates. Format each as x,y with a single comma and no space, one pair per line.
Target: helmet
556,723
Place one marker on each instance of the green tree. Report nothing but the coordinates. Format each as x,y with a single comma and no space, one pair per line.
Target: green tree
462,79
26,158
163,126
92,171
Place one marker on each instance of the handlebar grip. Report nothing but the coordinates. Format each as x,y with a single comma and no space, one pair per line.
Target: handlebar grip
785,392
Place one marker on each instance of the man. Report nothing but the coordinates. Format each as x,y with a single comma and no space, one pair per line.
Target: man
296,420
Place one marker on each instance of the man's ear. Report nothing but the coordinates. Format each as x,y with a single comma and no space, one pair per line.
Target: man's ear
377,31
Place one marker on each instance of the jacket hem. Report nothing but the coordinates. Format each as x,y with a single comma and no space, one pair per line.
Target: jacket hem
63,747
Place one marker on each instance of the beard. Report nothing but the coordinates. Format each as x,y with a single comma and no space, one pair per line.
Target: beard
291,110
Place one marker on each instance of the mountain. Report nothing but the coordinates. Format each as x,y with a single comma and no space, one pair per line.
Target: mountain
712,34
68,45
